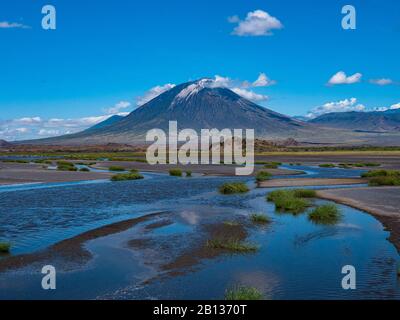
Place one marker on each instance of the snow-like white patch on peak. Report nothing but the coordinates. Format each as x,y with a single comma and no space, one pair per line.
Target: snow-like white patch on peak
195,88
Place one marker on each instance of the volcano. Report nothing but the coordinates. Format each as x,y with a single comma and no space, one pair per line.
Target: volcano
196,105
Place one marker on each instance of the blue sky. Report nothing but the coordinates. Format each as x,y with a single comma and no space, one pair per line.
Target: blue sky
107,53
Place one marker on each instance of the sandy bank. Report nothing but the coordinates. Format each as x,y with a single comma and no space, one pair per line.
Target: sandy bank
381,202
299,182
11,173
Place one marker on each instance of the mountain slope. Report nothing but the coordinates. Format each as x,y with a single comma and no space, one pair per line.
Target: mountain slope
388,121
108,122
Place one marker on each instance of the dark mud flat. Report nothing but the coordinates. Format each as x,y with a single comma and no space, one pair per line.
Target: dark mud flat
70,251
382,202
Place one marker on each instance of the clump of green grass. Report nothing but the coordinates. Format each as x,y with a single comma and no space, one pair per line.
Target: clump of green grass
66,166
327,165
325,214
231,223
381,173
134,171
116,168
84,170
243,293
384,181
175,172
292,204
263,176
232,188
382,177
233,245
126,177
5,247
305,193
188,173
260,218
290,200
272,165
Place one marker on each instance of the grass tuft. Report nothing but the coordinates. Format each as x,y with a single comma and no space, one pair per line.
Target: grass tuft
233,245
263,176
383,177
291,200
126,177
116,168
232,188
272,165
243,293
327,165
231,223
5,247
325,214
260,218
175,172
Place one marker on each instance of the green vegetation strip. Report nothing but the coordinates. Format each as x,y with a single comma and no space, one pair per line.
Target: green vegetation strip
127,176
382,177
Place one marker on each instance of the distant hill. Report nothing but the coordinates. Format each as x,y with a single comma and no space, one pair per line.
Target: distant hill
4,144
388,121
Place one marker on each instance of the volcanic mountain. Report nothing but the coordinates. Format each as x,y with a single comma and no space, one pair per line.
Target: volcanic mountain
196,105
376,121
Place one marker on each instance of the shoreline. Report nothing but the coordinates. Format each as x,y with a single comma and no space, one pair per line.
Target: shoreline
356,198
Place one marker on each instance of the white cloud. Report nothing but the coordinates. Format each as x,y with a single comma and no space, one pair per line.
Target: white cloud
381,82
28,120
48,132
12,25
118,107
337,106
342,78
250,95
392,107
153,93
256,23
263,81
395,106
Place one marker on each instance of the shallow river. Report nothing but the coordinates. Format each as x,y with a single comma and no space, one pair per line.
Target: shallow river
297,259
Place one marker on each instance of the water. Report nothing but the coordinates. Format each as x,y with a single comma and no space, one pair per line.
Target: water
297,259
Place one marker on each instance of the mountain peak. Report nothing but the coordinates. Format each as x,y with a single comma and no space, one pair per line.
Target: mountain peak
195,87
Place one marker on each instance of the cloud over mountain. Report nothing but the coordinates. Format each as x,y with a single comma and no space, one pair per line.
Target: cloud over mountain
256,23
